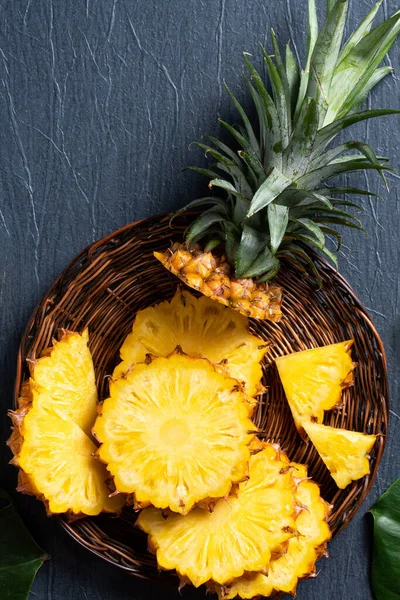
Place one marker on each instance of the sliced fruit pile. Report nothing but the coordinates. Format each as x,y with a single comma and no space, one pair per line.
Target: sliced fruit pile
220,506
51,439
313,381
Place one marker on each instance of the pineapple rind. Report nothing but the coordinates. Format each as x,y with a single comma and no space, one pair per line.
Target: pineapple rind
345,453
264,304
314,379
203,329
239,535
175,432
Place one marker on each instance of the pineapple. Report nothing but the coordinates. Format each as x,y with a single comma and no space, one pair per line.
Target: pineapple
345,453
240,534
175,432
299,558
313,380
64,380
271,200
57,460
203,329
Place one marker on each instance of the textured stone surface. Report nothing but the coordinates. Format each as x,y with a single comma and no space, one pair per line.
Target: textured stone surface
99,101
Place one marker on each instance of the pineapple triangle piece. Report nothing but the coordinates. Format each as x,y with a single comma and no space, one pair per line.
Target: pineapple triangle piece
51,439
175,432
344,452
314,379
203,329
240,534
297,559
64,380
58,464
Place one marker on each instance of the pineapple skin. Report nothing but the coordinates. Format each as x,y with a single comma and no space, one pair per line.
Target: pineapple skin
212,276
203,329
29,413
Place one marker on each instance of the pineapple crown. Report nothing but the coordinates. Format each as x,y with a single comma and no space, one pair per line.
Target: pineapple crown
276,202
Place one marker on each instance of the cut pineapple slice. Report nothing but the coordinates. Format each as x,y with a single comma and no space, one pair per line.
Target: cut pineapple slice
313,380
345,453
64,380
202,328
174,432
298,561
239,535
59,465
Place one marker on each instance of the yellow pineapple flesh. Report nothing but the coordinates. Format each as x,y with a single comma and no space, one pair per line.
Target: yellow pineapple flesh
174,432
55,456
202,328
60,465
345,453
298,559
241,533
213,277
314,379
64,380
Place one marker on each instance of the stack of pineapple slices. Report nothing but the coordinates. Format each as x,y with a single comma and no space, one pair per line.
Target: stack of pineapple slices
313,381
51,439
220,507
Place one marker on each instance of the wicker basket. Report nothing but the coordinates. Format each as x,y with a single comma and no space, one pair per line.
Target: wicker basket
105,286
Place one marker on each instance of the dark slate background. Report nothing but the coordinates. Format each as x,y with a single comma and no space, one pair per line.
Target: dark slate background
99,101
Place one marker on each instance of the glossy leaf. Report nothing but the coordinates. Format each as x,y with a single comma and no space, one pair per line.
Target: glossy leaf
325,55
292,75
252,243
360,32
275,183
203,223
278,217
265,264
312,36
385,576
20,557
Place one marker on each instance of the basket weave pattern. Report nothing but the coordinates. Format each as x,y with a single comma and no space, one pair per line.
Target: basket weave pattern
105,286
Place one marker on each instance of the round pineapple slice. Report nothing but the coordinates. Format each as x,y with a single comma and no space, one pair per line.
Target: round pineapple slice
59,465
64,380
298,560
240,534
174,432
202,328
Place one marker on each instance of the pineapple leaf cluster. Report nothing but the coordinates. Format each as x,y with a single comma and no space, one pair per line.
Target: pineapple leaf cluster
274,198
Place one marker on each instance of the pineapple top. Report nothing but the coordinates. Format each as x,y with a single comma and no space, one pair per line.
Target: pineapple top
275,201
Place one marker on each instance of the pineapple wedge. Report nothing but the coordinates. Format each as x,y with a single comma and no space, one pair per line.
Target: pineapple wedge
175,432
299,558
345,453
202,328
240,534
57,462
314,379
64,380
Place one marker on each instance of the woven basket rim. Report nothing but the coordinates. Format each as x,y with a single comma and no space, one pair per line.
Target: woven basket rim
90,250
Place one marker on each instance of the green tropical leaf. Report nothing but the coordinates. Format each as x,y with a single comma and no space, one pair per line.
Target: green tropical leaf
355,70
20,557
225,185
282,100
344,189
325,55
293,76
265,264
274,184
312,227
278,217
299,152
224,148
202,224
249,129
373,81
312,179
273,153
360,32
251,245
385,576
312,36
